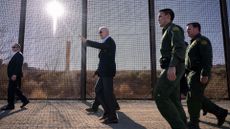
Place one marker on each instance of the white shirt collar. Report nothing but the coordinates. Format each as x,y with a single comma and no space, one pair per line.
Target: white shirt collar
103,40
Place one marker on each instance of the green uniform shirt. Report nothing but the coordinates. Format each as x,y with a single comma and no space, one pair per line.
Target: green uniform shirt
173,46
199,55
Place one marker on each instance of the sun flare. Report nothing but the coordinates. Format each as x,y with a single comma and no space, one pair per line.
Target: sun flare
55,10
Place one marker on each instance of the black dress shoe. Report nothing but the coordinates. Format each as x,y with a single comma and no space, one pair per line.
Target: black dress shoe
91,110
105,116
8,108
110,121
118,108
221,117
25,103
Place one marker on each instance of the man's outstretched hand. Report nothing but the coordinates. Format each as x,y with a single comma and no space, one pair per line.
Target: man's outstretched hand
83,39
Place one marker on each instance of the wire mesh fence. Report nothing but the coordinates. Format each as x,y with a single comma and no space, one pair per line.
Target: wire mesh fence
129,27
52,50
9,23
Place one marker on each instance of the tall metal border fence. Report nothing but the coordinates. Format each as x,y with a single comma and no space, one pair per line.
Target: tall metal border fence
57,65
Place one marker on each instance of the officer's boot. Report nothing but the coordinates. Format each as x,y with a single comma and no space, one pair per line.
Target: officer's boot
219,112
221,115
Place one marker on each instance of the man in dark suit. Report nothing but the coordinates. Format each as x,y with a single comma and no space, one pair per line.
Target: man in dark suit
14,72
106,71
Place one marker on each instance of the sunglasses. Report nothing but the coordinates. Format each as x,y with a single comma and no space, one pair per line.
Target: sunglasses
100,32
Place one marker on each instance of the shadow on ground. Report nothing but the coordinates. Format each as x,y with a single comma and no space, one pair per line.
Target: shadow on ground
6,113
125,122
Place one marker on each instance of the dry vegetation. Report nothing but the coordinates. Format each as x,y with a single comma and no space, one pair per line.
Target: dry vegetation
127,84
217,87
41,84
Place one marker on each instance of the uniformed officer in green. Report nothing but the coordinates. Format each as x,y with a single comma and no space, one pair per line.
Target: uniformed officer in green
167,92
198,63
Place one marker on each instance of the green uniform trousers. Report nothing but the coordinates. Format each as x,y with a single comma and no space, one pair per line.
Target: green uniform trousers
196,99
167,97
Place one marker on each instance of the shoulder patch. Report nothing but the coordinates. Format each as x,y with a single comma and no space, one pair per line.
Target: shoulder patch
203,42
175,28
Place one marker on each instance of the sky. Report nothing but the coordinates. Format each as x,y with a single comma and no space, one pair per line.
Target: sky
128,23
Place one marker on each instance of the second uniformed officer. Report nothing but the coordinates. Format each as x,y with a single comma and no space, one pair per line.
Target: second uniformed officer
167,92
198,64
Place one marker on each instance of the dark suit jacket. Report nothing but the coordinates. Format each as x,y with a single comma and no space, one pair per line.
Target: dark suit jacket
107,65
15,65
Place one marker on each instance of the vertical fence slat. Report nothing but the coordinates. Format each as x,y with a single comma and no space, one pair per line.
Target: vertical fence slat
22,24
225,30
83,50
152,37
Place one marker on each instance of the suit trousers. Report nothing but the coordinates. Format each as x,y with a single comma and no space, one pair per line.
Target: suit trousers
105,96
13,88
96,103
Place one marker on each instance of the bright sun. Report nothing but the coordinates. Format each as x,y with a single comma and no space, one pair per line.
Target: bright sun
55,10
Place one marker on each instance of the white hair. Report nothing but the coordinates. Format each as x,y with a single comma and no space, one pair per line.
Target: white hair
104,28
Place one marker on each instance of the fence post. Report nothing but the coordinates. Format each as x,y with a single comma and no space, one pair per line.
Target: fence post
83,50
22,24
152,43
225,31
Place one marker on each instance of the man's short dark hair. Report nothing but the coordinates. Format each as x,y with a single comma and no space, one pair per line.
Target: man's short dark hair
195,25
168,11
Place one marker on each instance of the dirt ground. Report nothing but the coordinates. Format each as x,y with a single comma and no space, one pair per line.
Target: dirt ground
71,114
